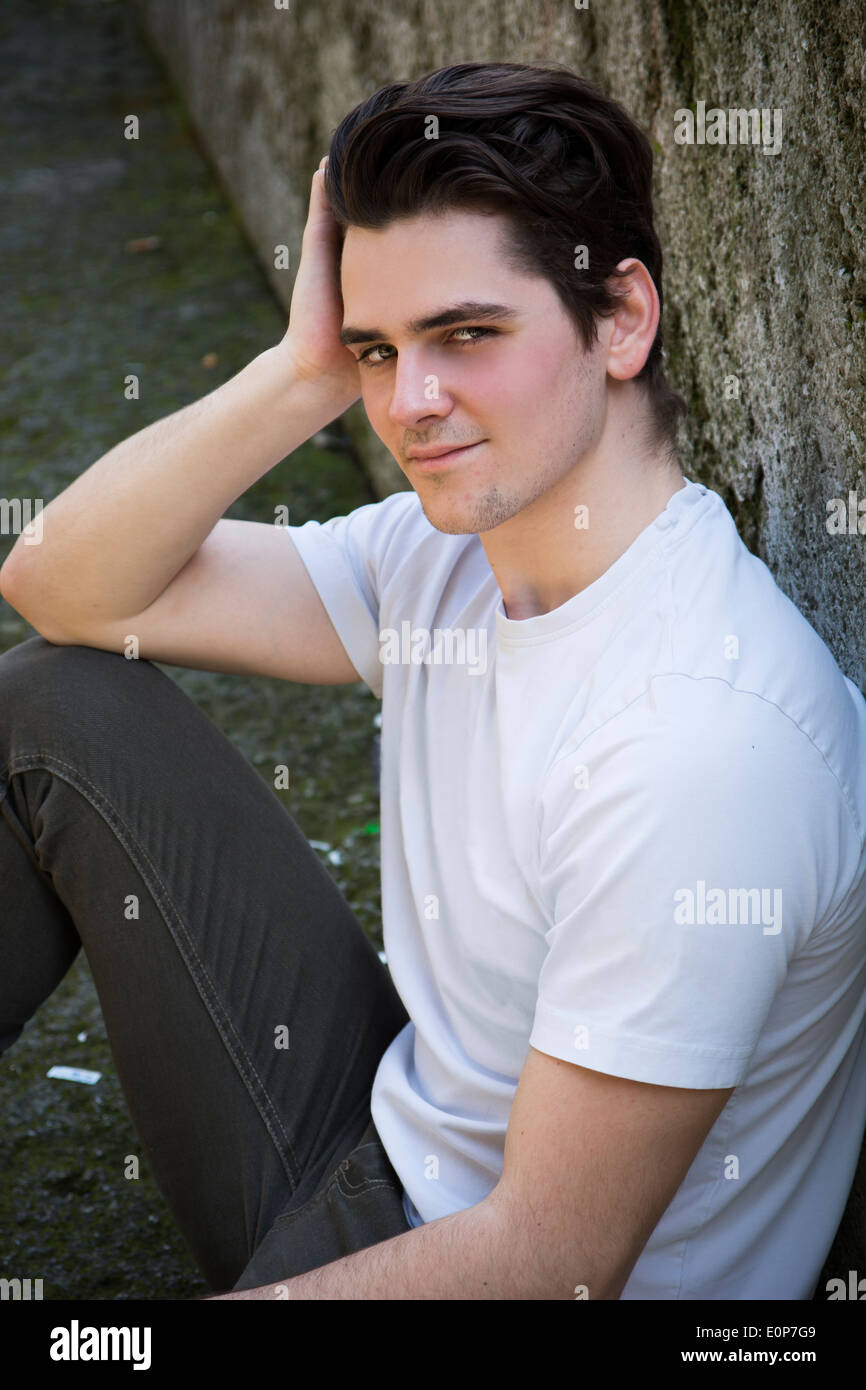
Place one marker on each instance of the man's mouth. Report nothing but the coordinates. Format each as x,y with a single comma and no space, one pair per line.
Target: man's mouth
430,462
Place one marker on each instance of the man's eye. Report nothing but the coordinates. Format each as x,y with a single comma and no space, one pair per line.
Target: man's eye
480,332
483,332
366,358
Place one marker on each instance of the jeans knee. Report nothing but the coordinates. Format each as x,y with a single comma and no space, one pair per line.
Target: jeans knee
35,659
40,680
23,664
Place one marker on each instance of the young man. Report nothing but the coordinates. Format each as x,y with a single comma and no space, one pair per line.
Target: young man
623,780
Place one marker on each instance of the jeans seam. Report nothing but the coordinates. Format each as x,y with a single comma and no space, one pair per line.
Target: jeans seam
287,1218
366,1186
24,762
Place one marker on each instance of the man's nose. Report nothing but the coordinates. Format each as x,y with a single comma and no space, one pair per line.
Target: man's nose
417,392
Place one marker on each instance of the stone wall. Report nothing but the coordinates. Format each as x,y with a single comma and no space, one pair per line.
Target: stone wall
765,281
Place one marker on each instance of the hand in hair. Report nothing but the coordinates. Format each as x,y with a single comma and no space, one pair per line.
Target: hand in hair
311,341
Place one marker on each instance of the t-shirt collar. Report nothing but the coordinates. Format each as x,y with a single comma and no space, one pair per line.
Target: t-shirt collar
577,609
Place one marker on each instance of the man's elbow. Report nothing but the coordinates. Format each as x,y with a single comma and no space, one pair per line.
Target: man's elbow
11,592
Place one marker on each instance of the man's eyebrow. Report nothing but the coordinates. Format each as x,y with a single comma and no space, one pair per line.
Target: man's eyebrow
453,313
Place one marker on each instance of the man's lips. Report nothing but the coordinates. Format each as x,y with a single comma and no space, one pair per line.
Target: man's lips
427,459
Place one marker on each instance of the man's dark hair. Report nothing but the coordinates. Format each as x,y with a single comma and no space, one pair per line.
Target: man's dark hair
563,161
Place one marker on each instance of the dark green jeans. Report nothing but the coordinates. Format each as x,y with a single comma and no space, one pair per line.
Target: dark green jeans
131,826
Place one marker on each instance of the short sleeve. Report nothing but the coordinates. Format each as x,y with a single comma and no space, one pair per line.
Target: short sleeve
348,559
686,852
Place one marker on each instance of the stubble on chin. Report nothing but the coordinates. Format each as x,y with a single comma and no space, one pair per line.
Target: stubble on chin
471,517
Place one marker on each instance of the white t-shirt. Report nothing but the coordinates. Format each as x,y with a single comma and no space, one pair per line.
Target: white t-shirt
629,833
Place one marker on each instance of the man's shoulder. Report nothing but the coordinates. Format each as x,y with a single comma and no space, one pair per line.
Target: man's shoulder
704,716
698,780
725,669
688,737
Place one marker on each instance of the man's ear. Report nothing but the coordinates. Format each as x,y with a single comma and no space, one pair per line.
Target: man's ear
635,320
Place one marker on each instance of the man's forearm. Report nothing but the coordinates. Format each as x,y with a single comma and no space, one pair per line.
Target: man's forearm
118,534
482,1252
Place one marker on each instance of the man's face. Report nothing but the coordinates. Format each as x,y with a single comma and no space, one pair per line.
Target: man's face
517,389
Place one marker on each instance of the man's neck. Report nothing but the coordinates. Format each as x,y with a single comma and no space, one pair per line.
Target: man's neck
566,539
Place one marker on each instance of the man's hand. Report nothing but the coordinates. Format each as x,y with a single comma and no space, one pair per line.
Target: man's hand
311,342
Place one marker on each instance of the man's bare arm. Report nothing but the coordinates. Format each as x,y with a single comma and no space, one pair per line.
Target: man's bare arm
116,536
591,1162
468,1255
126,540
